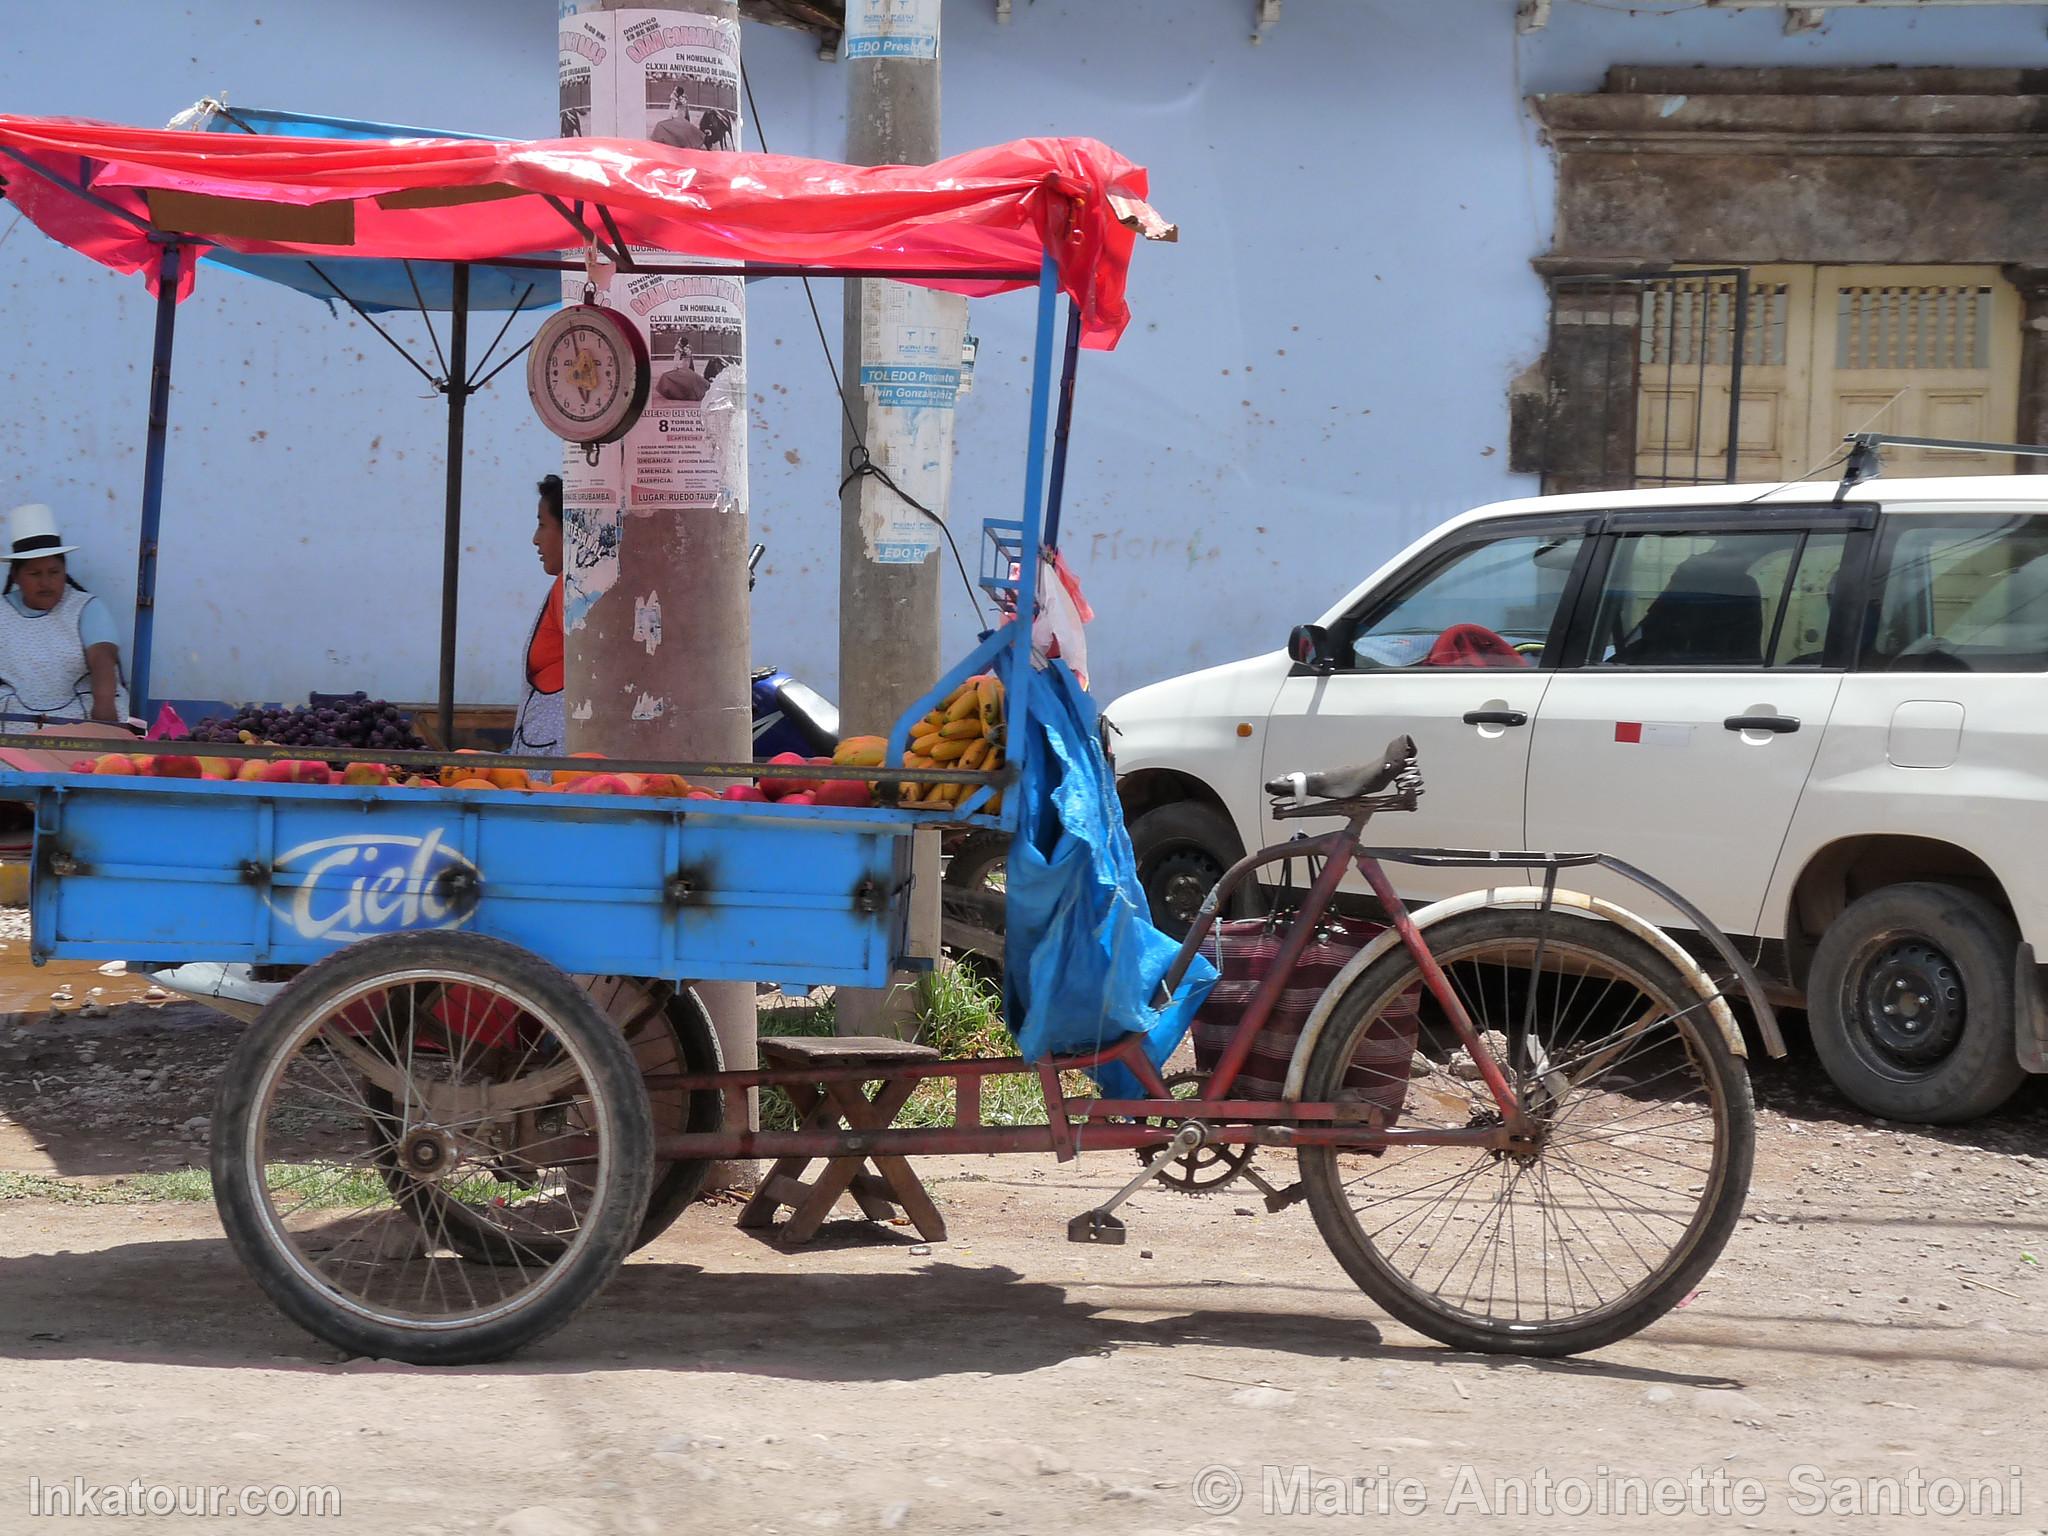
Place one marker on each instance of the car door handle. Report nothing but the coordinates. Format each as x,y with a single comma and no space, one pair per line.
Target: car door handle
1777,725
1495,717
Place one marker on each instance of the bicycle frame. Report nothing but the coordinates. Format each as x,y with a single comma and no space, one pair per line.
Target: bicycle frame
1077,1124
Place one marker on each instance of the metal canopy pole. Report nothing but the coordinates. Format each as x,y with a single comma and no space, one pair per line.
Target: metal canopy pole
1066,422
167,272
457,389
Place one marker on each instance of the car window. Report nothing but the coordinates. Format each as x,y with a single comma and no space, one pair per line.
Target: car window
1725,600
1490,605
1960,594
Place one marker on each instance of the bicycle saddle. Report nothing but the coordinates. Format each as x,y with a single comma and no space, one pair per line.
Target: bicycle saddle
1349,783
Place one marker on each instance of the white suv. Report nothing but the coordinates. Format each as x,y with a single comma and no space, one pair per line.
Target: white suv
1821,716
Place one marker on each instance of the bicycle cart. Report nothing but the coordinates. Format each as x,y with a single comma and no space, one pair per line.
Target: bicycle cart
493,1081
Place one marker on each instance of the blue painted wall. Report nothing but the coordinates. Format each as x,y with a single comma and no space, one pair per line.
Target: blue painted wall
1317,371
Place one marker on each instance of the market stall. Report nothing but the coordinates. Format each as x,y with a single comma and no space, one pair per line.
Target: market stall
434,1145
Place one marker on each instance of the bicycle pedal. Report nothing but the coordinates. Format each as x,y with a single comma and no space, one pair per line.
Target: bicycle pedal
1280,1199
1095,1227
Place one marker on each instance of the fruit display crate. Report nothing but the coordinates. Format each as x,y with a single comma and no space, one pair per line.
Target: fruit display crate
153,869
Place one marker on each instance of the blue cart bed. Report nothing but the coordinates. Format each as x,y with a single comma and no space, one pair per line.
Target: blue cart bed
152,870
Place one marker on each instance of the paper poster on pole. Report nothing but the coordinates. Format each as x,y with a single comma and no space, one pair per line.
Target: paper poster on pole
672,79
681,453
910,345
687,77
590,566
891,29
584,48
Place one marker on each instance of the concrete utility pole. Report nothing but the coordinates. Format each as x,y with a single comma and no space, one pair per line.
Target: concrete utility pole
657,645
888,612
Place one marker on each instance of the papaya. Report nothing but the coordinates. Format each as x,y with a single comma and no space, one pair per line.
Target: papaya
861,752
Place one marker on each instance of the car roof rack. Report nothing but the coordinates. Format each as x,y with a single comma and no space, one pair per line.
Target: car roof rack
1866,463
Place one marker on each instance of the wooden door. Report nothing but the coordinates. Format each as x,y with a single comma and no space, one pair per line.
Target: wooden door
1917,352
1685,352
1910,351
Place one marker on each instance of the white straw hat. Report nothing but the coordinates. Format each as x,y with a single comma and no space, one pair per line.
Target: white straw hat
32,531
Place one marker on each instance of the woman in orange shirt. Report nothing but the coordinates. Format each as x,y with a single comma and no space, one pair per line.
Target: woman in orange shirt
541,723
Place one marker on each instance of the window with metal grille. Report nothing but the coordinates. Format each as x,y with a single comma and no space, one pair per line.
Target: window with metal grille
1680,317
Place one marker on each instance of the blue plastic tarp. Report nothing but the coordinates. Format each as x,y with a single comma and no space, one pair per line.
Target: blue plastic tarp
1083,963
380,286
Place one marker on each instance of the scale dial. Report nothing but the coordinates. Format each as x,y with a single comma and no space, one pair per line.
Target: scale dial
588,374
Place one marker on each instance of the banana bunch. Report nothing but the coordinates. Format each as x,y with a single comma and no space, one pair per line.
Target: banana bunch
966,731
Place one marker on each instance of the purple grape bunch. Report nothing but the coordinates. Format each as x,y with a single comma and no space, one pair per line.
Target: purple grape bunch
355,720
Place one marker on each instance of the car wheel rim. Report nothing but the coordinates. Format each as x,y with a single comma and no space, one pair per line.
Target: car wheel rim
1180,881
1910,1004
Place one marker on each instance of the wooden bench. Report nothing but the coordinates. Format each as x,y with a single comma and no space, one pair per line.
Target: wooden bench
826,1106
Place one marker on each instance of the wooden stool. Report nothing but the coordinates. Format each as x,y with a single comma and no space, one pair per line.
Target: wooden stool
822,1106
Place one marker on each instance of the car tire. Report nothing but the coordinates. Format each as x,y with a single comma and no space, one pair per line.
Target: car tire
1911,1002
978,860
1182,850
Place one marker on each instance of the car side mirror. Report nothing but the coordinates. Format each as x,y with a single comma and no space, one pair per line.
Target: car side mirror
1309,646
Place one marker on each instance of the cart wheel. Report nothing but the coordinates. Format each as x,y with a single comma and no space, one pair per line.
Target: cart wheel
506,1168
667,1030
1628,1191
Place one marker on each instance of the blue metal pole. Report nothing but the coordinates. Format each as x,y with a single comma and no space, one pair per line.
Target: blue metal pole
1034,500
153,477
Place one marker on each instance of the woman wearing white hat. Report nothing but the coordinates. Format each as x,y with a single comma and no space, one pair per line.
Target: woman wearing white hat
59,658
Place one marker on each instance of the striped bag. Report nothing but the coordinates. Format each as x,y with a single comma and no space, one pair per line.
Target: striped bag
1248,948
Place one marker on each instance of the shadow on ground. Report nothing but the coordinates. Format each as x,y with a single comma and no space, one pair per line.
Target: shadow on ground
187,1302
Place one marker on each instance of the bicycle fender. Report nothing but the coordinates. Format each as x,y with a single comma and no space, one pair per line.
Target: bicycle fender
1515,896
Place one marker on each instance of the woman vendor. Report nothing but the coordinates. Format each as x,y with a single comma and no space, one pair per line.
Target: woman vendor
540,724
59,659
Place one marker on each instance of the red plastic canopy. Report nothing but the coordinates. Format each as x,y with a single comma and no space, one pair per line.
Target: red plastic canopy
978,220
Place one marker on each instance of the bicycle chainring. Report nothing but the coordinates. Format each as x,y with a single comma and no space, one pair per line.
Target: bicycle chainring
1209,1167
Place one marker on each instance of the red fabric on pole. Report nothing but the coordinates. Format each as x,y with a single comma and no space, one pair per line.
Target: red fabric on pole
987,212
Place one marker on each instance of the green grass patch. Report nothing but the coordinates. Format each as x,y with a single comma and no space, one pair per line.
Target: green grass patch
313,1186
185,1185
960,1014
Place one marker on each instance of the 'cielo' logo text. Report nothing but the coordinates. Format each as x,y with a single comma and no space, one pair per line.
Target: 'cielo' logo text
357,887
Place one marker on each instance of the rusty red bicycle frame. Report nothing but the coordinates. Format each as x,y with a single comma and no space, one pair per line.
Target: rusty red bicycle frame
1076,1124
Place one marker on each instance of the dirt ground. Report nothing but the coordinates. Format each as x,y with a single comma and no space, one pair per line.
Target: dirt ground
1872,1341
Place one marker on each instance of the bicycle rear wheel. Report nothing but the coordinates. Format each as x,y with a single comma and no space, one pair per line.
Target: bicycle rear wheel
1646,1134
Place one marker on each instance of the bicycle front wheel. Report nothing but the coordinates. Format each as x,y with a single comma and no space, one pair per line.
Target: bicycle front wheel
1625,1197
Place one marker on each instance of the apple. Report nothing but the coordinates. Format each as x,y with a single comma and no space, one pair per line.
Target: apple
114,762
801,797
847,792
174,766
742,792
366,774
776,789
599,784
219,769
254,770
570,776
